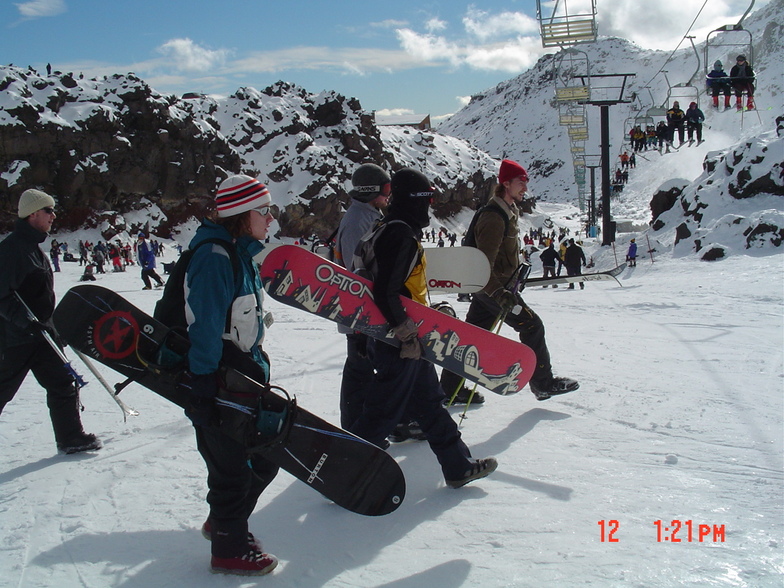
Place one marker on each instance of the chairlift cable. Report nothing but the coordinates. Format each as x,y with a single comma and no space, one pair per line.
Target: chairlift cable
685,36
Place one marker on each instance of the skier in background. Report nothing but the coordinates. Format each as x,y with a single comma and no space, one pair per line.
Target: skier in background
742,76
719,83
574,260
549,258
694,120
146,258
675,120
631,254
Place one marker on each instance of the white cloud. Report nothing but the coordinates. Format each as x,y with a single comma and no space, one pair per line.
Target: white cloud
388,24
188,56
394,111
39,8
343,60
434,24
486,26
666,21
508,41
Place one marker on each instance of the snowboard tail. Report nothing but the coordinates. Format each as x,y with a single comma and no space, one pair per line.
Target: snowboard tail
351,472
592,277
303,280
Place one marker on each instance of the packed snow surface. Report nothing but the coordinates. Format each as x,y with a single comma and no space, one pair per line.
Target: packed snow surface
678,418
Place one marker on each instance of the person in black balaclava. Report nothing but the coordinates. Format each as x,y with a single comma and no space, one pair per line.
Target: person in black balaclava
404,383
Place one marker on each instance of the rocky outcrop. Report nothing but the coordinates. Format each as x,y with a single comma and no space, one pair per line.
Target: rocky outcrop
114,145
103,146
738,199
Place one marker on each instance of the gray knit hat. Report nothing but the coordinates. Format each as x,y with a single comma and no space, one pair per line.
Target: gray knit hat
368,181
32,201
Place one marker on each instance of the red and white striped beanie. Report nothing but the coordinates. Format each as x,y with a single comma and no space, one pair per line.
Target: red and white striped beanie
240,193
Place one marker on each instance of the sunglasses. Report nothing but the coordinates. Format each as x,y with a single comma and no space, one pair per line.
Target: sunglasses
48,210
264,210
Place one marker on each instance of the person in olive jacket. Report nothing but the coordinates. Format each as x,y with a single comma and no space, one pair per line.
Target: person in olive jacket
496,234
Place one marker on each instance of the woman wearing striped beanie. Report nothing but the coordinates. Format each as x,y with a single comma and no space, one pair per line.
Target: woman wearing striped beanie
226,327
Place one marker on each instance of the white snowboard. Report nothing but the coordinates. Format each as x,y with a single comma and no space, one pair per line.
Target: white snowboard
456,269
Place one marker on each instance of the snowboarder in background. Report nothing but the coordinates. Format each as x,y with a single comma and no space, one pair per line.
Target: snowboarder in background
54,254
718,83
28,274
497,237
694,120
369,196
631,254
146,258
404,382
217,297
742,77
574,260
549,258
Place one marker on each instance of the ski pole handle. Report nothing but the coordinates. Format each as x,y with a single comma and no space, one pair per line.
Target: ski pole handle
31,316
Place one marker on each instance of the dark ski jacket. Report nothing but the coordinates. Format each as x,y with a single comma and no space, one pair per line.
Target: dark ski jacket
549,256
397,250
675,117
28,271
694,116
574,256
741,73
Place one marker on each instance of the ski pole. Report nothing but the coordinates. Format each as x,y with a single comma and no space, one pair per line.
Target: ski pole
78,379
127,410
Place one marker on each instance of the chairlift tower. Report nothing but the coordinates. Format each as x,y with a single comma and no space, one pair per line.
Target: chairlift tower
606,90
570,95
592,162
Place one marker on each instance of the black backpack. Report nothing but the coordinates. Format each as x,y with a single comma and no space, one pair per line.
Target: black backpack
470,239
170,309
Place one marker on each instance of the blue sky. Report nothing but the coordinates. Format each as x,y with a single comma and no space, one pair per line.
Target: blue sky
425,56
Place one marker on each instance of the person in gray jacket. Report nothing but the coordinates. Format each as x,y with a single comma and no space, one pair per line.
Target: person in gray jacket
369,196
27,274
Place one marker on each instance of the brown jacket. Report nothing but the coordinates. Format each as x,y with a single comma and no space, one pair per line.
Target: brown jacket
502,250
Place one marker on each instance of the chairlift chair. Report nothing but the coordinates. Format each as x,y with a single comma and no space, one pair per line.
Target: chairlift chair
562,27
734,38
569,68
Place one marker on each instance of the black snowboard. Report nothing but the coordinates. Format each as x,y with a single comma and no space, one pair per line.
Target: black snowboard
353,473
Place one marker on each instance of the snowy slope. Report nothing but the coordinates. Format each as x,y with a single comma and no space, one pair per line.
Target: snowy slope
519,118
679,417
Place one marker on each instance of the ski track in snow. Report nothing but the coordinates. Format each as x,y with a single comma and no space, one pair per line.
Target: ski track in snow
679,416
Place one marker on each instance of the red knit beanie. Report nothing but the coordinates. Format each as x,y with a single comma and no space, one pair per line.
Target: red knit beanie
511,170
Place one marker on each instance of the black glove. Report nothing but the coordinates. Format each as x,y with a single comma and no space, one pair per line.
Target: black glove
202,391
507,301
406,333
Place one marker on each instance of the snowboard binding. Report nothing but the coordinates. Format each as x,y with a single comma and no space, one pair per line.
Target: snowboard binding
254,412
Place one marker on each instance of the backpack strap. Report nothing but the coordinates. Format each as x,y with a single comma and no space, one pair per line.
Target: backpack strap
470,239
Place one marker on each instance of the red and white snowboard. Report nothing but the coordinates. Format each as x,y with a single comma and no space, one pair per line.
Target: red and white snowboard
296,277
